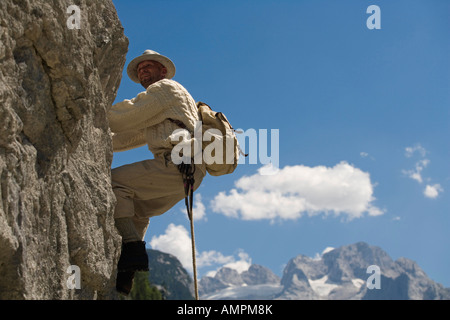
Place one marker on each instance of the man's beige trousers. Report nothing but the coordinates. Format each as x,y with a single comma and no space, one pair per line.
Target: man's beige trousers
149,188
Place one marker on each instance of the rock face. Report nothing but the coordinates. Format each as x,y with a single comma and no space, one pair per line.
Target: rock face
56,201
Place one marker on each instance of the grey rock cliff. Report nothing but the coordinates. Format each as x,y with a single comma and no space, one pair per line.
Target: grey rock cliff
56,201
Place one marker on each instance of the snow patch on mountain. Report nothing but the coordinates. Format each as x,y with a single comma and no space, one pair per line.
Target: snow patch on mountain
254,292
321,287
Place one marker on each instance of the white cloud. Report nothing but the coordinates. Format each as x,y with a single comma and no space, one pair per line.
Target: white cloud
212,257
242,264
409,151
363,154
298,190
416,174
198,208
432,191
177,241
199,211
318,256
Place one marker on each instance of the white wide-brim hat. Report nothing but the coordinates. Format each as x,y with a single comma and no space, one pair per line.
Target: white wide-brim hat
150,55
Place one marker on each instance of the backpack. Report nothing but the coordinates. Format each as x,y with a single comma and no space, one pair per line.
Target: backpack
217,135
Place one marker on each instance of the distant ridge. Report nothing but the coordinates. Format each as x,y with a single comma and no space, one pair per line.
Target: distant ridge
339,274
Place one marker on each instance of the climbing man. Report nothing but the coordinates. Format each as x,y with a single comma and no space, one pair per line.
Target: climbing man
148,188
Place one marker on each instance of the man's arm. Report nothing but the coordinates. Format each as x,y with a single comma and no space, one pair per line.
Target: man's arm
128,140
146,110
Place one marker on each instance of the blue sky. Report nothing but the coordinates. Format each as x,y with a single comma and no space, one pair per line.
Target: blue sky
362,117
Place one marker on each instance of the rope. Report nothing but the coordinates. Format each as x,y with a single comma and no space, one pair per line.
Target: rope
187,171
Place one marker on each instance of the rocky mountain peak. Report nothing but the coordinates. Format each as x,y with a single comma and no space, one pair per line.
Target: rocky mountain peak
258,274
343,273
351,262
227,277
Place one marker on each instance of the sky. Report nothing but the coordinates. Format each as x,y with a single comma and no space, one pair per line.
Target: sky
344,110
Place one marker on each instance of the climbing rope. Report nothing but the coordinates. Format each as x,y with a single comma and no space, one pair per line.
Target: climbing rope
187,171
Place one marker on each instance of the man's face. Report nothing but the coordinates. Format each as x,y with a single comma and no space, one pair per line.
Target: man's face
149,72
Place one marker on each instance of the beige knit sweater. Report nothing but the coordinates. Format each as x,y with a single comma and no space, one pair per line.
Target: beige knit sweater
143,119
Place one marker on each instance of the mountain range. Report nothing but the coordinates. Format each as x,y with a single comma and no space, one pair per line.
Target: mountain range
352,272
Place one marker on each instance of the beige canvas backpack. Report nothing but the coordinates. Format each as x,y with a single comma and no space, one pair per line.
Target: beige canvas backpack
220,146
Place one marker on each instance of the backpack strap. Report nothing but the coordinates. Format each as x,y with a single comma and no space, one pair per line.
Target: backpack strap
178,123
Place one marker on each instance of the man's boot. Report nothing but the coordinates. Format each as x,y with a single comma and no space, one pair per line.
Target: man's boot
124,282
133,257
